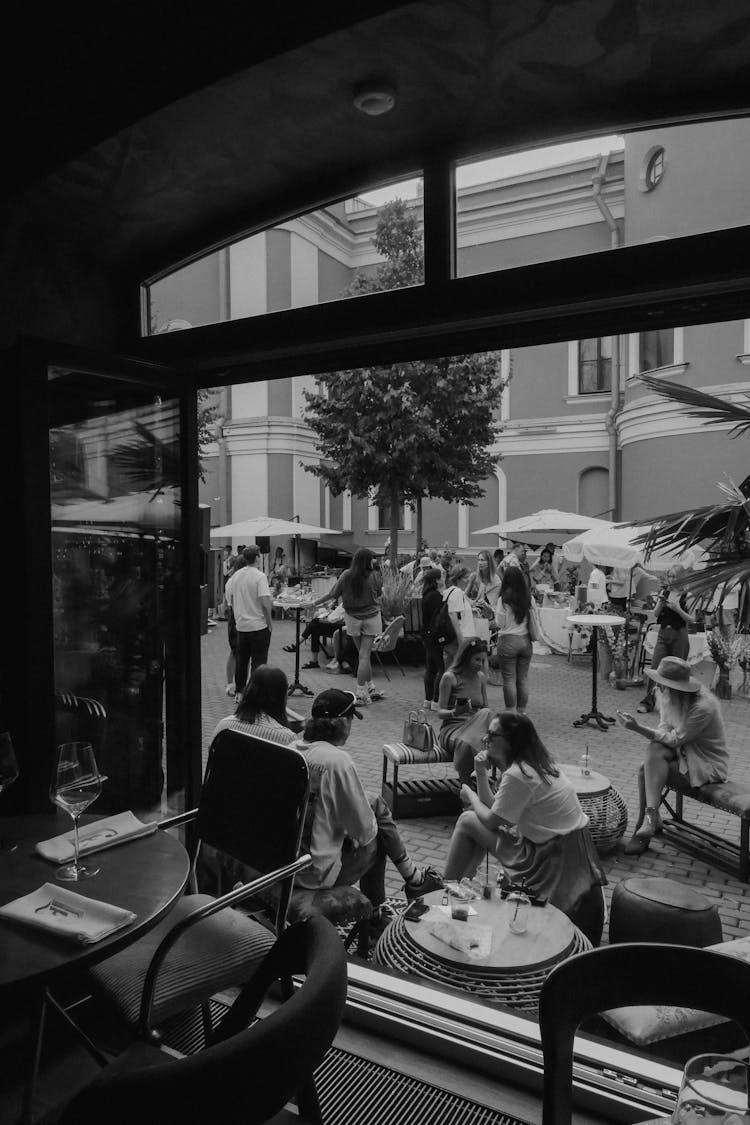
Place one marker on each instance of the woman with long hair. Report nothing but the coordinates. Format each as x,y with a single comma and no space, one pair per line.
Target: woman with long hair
514,647
533,825
544,571
262,709
462,705
359,588
484,585
433,650
687,749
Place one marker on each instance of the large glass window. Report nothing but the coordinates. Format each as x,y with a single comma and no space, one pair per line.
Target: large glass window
656,349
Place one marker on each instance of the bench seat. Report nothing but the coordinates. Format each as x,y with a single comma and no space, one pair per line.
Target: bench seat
730,797
433,796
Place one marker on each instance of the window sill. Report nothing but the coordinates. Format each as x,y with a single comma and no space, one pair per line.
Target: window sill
744,359
666,372
594,396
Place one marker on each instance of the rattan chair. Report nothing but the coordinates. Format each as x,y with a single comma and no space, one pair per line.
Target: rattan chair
252,808
621,975
245,1075
387,642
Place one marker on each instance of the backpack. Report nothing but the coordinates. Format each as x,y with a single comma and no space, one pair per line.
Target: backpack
441,626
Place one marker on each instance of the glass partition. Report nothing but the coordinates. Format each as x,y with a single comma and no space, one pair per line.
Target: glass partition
117,566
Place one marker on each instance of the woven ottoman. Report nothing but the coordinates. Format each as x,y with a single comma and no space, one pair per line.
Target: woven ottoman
662,910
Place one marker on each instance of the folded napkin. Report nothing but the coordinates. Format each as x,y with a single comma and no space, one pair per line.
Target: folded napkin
95,837
72,916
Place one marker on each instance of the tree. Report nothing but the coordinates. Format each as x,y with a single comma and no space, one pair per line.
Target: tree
722,528
410,430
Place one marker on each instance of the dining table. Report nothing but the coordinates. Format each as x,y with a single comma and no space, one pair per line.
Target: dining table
298,605
146,875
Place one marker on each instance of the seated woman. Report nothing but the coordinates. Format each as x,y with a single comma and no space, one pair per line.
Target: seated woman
262,709
543,573
534,825
348,831
462,705
319,628
687,749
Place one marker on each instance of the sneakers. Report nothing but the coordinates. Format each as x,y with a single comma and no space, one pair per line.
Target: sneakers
376,694
434,706
230,689
333,667
645,706
311,664
431,881
363,697
380,921
427,705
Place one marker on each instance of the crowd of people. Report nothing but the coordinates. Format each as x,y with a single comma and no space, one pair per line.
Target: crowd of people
519,806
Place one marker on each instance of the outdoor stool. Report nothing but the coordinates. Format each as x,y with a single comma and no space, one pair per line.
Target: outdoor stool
731,797
662,910
434,796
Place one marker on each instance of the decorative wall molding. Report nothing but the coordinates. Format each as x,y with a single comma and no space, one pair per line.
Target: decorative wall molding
270,435
531,436
651,417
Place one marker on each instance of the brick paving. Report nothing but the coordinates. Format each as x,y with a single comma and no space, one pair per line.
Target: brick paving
560,692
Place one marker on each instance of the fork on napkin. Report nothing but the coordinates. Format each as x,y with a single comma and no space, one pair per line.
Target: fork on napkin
72,916
95,837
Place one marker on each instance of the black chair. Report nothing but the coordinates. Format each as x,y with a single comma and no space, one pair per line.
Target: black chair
252,808
621,975
245,1075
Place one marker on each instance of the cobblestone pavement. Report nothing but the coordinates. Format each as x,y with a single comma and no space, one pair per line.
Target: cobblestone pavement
560,692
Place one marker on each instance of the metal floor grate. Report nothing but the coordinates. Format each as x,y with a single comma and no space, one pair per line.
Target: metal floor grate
355,1091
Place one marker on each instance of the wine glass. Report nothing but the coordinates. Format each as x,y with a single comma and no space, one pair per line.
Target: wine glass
76,783
8,774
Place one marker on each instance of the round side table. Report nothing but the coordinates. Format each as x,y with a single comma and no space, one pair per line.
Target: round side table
514,970
603,805
594,620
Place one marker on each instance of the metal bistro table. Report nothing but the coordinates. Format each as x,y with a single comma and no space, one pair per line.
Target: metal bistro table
297,606
594,620
146,876
511,974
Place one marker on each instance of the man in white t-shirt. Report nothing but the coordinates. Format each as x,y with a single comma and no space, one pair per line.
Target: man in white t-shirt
597,588
248,595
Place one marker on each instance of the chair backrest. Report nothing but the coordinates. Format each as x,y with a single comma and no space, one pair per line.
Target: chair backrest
624,974
253,800
390,635
246,1075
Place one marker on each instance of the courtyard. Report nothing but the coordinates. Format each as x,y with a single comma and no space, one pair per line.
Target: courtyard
560,692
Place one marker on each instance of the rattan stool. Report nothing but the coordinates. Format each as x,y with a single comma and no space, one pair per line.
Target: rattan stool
662,910
604,806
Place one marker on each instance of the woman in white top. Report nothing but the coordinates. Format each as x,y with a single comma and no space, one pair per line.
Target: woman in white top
514,647
460,610
534,825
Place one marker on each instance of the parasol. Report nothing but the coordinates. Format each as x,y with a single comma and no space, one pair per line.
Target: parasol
546,522
615,545
269,526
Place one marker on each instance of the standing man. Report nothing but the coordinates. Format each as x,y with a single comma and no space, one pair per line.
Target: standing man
249,598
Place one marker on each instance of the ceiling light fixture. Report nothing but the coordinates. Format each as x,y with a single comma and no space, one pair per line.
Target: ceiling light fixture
374,98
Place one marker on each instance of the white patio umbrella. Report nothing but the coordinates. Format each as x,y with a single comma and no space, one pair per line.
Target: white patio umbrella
614,545
547,521
270,526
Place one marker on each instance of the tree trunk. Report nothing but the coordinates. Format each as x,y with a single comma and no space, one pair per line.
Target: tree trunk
418,548
395,521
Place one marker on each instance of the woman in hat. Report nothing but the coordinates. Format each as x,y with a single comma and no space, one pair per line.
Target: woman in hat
462,705
687,749
533,825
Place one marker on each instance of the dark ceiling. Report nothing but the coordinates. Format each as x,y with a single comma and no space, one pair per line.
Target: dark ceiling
146,133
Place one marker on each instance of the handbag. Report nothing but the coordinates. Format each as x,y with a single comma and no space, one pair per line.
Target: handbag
417,731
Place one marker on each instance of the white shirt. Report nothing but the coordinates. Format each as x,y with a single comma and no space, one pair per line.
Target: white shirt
461,609
540,808
597,587
243,593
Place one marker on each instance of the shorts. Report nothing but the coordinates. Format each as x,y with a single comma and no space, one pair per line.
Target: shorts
363,626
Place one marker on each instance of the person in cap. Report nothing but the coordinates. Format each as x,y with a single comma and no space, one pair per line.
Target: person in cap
348,831
686,750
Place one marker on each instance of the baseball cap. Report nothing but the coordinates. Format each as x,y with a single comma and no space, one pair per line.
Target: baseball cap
335,704
426,561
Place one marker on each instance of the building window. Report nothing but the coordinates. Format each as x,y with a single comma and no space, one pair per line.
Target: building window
656,349
595,365
652,169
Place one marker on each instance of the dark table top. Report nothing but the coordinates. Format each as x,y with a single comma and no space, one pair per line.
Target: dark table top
146,876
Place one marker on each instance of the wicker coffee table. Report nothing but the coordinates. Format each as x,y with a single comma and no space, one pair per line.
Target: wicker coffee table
604,806
511,974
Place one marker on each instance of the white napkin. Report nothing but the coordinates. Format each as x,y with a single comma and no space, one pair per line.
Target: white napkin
95,837
72,916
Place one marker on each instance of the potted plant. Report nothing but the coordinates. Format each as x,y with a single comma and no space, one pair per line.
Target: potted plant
724,657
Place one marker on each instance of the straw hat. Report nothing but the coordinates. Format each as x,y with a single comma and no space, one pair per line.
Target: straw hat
674,673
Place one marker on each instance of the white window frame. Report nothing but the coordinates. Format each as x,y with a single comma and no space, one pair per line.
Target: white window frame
573,386
677,367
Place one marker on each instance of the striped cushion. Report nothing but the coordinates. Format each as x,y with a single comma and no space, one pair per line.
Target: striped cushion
402,755
218,952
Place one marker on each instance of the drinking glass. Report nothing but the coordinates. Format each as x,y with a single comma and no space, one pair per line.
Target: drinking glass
714,1089
520,903
8,774
76,783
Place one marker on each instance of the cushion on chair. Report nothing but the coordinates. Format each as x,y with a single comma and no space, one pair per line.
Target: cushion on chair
402,755
648,1023
218,952
338,904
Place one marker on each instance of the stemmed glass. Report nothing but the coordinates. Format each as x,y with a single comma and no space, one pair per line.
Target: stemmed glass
76,783
8,774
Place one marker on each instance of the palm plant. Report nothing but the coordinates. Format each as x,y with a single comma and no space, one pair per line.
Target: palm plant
723,529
